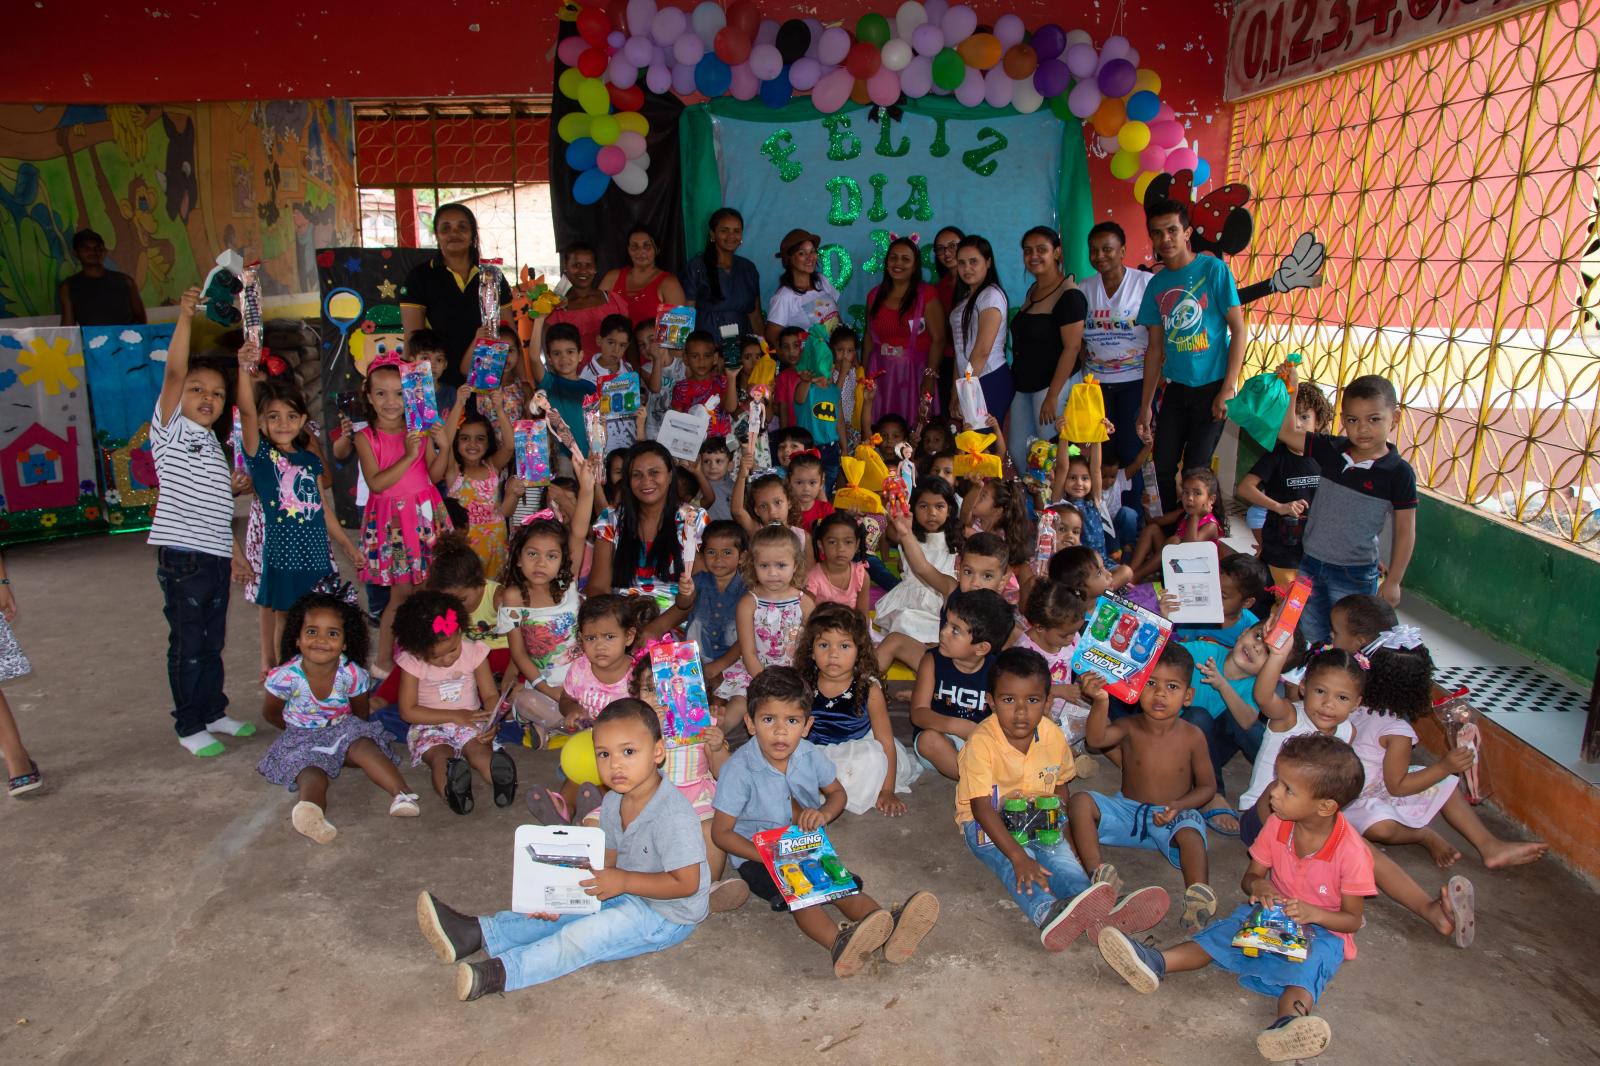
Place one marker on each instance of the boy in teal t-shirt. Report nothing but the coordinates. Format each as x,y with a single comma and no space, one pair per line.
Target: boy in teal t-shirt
817,400
1224,705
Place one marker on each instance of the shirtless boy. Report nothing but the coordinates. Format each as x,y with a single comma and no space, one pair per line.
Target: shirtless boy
1166,780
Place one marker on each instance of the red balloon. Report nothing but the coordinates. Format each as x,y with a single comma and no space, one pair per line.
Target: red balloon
744,16
593,26
593,62
732,45
863,60
629,99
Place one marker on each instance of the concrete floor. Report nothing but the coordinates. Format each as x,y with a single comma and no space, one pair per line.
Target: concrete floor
160,909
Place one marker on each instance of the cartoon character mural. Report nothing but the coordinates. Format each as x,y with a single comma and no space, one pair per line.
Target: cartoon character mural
47,470
124,365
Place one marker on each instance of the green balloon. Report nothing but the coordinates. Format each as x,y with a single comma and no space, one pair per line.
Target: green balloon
873,28
593,98
1058,104
949,69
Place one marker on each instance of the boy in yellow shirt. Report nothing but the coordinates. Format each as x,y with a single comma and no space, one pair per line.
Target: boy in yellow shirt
1018,753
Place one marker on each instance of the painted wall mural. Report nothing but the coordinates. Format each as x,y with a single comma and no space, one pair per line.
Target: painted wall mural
125,365
48,486
169,187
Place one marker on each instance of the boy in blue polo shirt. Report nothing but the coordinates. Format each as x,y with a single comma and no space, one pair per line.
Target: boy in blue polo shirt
781,779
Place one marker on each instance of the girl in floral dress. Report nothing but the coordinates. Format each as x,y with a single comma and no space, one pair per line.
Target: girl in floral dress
478,455
771,613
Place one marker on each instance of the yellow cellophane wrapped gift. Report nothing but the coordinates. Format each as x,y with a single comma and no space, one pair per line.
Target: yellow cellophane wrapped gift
765,372
1084,421
851,496
873,469
973,457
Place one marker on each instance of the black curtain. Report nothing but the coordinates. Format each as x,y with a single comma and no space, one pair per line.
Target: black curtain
604,223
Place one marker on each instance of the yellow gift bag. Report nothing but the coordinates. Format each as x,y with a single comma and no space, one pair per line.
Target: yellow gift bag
1084,419
873,469
851,496
973,458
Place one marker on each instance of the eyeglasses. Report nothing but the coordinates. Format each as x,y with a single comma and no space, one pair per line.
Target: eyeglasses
948,246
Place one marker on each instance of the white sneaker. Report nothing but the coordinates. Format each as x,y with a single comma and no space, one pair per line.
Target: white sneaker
309,821
404,805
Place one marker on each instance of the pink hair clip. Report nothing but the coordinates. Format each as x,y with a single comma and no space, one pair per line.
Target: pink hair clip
544,513
445,625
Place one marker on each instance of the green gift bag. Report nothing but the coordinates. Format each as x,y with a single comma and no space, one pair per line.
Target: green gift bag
1262,405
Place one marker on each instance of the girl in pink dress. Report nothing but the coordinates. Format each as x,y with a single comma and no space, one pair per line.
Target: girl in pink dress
608,628
905,334
404,514
840,575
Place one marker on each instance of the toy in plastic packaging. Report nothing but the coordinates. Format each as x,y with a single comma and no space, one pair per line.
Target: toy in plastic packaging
681,687
1263,403
488,365
1281,632
1121,643
532,451
1084,419
804,866
220,288
691,529
969,395
973,457
1045,546
1267,928
594,424
1192,572
1039,820
540,404
850,496
619,394
1041,467
1152,489
353,407
250,303
673,325
421,396
549,865
489,277
1458,719
756,426
236,440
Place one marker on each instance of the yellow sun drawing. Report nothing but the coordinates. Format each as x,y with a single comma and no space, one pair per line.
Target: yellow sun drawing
50,363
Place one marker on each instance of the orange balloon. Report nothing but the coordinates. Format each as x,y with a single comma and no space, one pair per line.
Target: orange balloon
1020,61
1109,116
981,51
859,94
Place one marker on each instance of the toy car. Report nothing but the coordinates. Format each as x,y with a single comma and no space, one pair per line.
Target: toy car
836,869
1102,623
812,870
1269,929
1124,633
1145,642
794,880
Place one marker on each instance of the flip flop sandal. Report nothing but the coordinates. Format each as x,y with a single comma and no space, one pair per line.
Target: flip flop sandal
24,783
503,775
547,807
458,786
1218,829
588,802
1462,901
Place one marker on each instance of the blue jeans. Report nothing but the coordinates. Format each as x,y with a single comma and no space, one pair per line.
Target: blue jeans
534,950
1126,524
194,586
1025,424
1225,738
880,573
1122,407
1067,878
1329,585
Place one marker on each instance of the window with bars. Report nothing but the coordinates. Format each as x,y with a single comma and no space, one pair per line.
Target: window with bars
492,155
1455,186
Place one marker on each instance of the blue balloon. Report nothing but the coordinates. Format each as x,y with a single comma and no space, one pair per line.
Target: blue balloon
581,153
1143,106
712,76
1202,172
776,93
590,186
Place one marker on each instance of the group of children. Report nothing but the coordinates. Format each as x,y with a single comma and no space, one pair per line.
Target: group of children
800,607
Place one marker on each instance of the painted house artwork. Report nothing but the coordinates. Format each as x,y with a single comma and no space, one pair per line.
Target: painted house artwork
40,469
48,473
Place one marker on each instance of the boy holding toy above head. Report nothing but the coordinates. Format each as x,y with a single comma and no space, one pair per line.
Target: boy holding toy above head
1018,753
763,785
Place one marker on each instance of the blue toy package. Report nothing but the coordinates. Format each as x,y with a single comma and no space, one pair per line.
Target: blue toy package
619,394
1268,928
488,365
804,866
420,395
673,325
1121,642
532,450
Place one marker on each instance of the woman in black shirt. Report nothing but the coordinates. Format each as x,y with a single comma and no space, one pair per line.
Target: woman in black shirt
442,293
1046,334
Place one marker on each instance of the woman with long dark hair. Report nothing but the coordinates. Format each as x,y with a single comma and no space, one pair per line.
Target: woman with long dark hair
804,297
643,285
442,294
905,334
945,243
636,548
723,287
1046,336
978,325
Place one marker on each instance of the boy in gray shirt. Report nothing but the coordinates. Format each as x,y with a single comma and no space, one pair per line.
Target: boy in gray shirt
653,889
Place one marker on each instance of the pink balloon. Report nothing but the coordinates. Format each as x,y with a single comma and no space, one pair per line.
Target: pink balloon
611,160
1182,159
1008,30
997,88
917,79
833,46
632,144
1165,112
958,23
804,74
745,83
687,50
832,91
1153,158
883,88
1168,133
970,91
658,79
765,62
570,49
1108,145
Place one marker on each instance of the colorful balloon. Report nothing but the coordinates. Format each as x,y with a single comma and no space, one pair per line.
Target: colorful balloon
632,122
688,49
1124,165
863,60
640,15
1154,157
927,40
958,23
573,126
1009,31
1133,137
1183,158
712,76
833,46
668,26
1082,100
916,81
621,72
767,34
631,143
743,85
1020,61
1073,37
1116,77
1167,133
909,16
776,91
732,45
570,49
570,82
766,61
832,91
581,153
1116,47
1024,97
794,37
872,28
897,55
593,26
593,98
858,93
610,160
685,79
746,16
605,129
981,50
804,74
658,79
948,70
641,50
633,180
883,88
1141,184
970,91
1143,105
997,88
1048,41
1202,172
1147,81
708,18
593,62
1052,78
1109,116
1082,60
625,97
587,189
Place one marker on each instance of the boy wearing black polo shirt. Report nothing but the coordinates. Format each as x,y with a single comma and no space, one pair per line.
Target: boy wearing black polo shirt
1363,482
1283,483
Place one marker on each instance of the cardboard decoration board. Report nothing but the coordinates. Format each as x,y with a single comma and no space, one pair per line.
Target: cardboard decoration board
548,863
1192,572
682,433
1121,642
48,482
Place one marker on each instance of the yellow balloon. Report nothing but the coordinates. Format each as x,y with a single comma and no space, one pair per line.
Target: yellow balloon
633,122
577,759
604,129
1141,185
1124,165
1147,81
344,305
573,125
1133,137
570,82
592,96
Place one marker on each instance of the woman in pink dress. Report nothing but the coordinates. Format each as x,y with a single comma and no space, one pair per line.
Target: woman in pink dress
905,334
643,286
587,304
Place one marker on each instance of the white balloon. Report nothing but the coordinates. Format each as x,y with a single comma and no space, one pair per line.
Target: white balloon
632,179
910,15
1024,97
707,19
896,54
1077,37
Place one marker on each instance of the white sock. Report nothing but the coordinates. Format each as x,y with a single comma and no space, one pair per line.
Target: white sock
199,742
231,726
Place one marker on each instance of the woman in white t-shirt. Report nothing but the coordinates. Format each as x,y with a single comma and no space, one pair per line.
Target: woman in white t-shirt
978,325
804,298
1115,343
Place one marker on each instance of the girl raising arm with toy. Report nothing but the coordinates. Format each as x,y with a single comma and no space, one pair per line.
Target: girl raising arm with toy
475,454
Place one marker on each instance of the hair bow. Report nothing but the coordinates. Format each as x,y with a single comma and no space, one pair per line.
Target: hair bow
875,440
446,624
1362,661
339,590
914,238
815,452
274,365
545,514
394,359
650,645
1403,635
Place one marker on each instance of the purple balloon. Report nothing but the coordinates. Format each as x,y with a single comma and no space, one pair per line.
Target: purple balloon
833,46
687,50
765,62
616,39
658,79
1008,30
1116,47
917,79
958,23
621,72
668,25
1051,78
1084,99
767,32
1048,41
935,9
970,91
927,39
641,13
1082,61
683,80
804,74
883,88
639,51
815,26
997,88
1117,78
